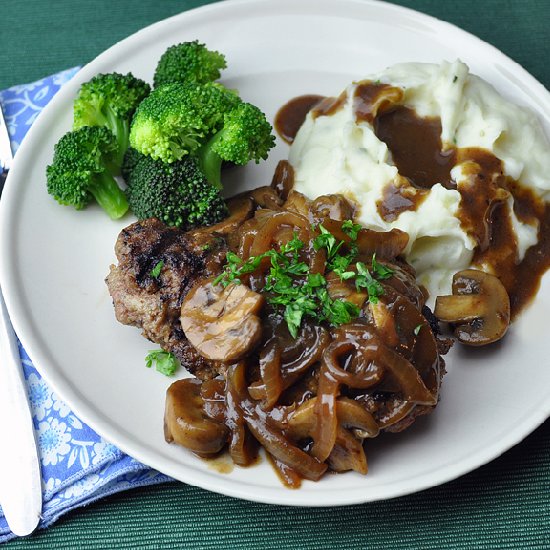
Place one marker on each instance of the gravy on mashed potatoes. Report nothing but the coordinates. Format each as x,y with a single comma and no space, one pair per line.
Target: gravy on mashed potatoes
436,152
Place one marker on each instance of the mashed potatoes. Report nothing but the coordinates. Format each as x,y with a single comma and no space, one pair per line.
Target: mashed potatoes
340,153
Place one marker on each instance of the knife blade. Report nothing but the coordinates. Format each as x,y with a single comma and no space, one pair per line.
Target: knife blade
20,479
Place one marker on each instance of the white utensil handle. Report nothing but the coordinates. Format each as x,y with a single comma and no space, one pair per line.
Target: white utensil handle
20,480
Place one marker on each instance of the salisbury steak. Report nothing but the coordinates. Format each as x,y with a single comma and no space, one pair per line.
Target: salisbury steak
153,303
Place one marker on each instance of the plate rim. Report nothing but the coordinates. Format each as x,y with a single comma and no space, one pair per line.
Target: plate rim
89,414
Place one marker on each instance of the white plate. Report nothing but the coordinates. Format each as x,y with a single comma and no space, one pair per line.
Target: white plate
54,259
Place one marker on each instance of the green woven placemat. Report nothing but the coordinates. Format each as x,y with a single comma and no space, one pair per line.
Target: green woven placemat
502,505
505,504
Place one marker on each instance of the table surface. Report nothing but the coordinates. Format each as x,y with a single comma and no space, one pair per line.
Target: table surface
505,504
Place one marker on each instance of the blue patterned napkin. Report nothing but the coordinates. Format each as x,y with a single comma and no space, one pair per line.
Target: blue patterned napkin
78,466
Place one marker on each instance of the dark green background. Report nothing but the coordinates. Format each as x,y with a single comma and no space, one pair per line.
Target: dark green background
505,504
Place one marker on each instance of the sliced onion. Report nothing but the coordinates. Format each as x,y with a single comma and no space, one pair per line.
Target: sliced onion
408,378
266,233
270,369
273,440
399,410
286,474
241,448
326,420
298,355
378,359
366,374
281,448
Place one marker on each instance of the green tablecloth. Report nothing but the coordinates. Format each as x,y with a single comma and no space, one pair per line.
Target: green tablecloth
505,504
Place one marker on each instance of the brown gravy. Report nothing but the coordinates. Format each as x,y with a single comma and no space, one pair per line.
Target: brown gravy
397,198
481,191
371,100
522,280
422,161
292,114
416,148
330,105
221,464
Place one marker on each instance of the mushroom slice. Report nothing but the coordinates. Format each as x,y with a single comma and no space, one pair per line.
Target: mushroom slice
479,308
296,202
222,323
283,178
347,454
240,209
350,414
266,197
335,207
186,423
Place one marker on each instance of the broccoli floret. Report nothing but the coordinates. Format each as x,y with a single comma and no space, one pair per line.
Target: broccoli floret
131,158
176,193
82,170
245,136
174,120
189,62
110,100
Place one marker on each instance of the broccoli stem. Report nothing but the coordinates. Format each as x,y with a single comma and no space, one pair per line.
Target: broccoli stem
210,162
121,130
119,127
109,195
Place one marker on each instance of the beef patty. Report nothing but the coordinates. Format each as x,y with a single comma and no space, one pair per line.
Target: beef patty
153,303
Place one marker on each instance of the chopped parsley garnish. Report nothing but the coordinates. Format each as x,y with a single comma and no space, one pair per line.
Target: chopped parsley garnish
366,280
327,240
165,362
351,229
299,293
417,328
155,272
380,271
